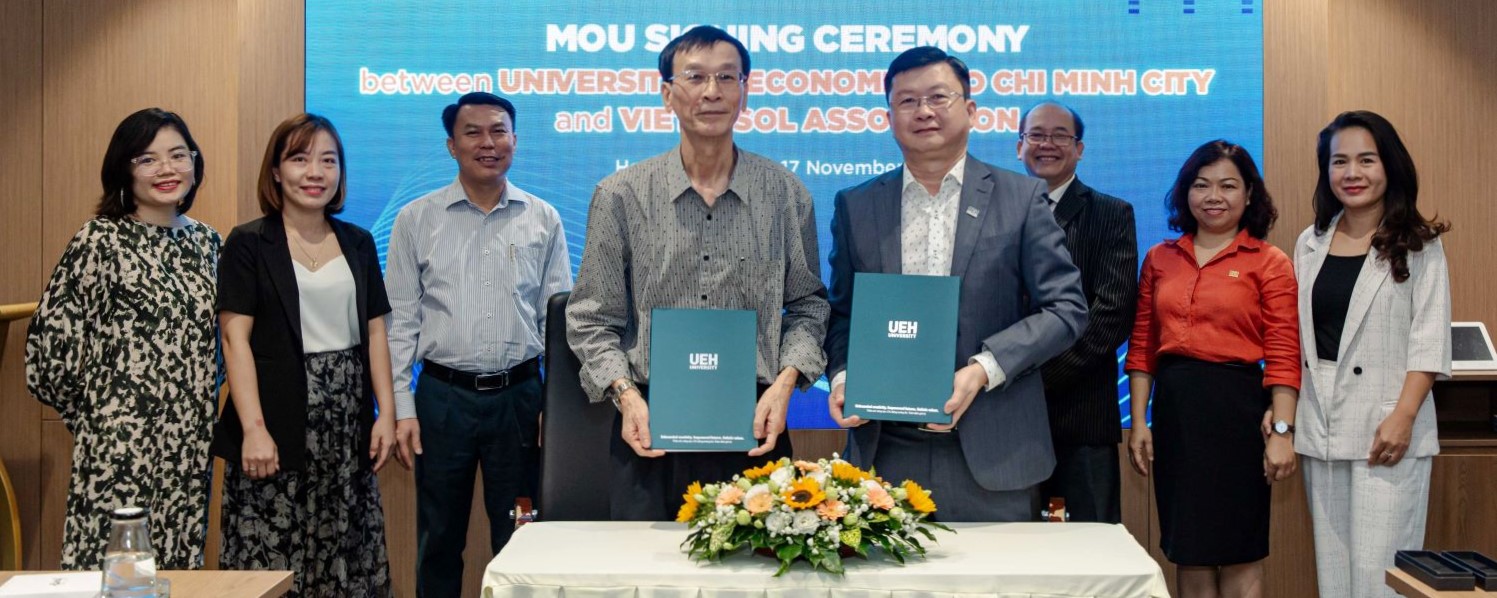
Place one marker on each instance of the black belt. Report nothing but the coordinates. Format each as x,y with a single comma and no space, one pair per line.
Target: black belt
483,382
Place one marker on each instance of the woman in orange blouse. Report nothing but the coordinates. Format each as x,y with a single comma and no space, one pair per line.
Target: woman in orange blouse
1212,305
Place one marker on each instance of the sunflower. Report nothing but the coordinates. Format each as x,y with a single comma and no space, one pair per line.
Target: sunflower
919,498
803,494
844,471
763,470
689,503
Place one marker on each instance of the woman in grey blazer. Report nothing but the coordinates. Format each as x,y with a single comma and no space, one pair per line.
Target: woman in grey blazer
1374,301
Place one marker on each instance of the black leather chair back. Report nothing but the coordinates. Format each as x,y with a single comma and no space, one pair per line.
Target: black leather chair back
575,470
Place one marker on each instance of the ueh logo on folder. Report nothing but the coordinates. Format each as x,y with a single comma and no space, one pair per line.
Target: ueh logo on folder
901,347
703,361
903,328
702,386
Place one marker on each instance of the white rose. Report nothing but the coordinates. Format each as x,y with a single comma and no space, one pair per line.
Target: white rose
783,476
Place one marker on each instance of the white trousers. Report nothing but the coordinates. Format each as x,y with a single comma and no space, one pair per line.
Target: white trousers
1363,515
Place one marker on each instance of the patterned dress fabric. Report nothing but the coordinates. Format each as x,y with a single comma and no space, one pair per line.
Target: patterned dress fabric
125,347
323,523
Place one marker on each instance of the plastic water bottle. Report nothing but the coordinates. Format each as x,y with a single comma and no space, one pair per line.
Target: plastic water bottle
129,562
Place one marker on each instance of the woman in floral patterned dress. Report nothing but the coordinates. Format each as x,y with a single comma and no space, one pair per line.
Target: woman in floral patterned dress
124,346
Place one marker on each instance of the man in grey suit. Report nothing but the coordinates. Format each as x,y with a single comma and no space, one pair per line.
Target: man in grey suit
946,213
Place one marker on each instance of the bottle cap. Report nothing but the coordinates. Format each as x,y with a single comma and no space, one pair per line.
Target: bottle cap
128,513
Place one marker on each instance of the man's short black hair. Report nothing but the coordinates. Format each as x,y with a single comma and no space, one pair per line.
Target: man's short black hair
479,98
915,58
699,38
1076,118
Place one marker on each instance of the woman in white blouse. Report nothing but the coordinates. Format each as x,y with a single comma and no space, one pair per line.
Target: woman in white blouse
1374,304
301,303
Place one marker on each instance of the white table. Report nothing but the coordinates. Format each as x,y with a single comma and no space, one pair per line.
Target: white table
644,560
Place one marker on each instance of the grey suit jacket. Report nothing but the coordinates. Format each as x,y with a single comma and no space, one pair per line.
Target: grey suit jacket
1392,328
1021,299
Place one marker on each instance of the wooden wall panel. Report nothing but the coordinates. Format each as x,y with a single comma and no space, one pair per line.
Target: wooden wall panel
1427,66
1289,571
1466,516
20,445
1136,496
21,196
56,471
1294,109
105,60
818,444
272,85
398,493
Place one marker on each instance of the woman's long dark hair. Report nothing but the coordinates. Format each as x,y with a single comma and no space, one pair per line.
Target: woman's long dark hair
1403,228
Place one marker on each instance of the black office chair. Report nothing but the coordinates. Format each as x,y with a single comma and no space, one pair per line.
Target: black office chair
575,433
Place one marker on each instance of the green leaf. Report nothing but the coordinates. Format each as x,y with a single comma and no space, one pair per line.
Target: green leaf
831,561
784,566
878,517
788,552
852,537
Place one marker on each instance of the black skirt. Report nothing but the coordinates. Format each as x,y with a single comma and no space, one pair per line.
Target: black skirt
1208,462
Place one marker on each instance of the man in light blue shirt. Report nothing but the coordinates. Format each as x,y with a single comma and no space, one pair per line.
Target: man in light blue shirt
469,269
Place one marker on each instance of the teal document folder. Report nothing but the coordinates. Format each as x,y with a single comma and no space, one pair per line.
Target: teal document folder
902,347
703,379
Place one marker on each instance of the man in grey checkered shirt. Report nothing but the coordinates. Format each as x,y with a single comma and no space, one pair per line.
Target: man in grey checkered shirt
705,226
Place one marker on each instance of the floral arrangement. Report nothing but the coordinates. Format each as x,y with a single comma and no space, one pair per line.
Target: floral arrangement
818,511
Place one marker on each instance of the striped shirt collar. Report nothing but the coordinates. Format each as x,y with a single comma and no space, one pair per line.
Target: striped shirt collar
454,194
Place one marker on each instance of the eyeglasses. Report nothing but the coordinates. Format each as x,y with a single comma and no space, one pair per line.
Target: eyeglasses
1059,139
697,80
179,160
936,101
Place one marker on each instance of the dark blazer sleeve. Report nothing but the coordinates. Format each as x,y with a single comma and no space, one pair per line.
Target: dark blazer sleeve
839,292
237,274
1106,249
378,302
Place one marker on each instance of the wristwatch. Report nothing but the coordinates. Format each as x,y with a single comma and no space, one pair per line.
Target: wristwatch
616,391
1282,427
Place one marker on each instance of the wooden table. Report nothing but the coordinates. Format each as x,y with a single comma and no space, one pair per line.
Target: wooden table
1407,585
217,584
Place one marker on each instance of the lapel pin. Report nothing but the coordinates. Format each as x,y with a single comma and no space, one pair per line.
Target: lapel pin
1232,273
972,211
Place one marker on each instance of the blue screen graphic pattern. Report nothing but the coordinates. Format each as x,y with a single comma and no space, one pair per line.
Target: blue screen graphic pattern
1152,79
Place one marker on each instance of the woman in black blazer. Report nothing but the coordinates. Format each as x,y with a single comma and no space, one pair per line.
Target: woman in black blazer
301,304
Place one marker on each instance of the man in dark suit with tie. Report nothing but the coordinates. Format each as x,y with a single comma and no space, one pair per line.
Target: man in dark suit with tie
946,213
1081,384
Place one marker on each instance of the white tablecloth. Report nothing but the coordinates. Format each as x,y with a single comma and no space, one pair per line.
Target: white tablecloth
644,560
